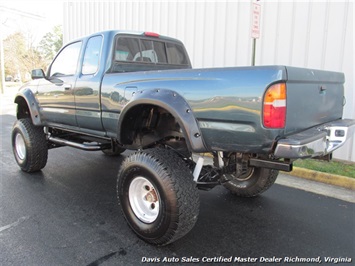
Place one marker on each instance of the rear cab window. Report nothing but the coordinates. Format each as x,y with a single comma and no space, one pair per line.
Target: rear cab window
136,53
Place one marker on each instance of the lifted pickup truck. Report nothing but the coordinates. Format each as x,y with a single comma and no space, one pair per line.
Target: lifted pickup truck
118,90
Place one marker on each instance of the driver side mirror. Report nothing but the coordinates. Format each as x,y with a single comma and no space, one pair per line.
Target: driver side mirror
37,74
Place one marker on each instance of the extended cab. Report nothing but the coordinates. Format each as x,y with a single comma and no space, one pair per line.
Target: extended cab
118,90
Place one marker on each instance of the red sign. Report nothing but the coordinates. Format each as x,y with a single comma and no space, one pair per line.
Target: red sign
255,21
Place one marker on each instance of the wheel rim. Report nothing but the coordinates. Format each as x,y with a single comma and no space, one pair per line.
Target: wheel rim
20,146
144,199
246,176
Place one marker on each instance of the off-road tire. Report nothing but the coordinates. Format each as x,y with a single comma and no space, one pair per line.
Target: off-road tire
256,182
175,194
29,145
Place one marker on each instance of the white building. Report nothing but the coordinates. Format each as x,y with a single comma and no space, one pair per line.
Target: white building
312,34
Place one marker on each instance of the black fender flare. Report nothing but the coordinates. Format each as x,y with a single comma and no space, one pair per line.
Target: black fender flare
177,106
30,99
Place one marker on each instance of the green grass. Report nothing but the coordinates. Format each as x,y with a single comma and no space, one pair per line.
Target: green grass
332,167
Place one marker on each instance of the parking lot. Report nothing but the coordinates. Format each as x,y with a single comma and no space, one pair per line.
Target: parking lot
67,214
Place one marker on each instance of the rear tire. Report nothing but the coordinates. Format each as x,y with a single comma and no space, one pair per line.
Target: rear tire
157,195
29,145
255,182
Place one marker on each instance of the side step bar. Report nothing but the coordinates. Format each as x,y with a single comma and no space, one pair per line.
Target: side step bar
81,146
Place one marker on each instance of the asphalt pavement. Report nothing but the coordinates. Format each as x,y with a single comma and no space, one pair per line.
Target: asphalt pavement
67,214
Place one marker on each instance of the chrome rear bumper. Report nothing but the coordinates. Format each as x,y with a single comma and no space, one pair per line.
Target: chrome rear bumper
317,141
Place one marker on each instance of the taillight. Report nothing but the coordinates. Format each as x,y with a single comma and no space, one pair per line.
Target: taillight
274,109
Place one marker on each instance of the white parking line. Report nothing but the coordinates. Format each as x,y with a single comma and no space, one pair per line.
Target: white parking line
20,220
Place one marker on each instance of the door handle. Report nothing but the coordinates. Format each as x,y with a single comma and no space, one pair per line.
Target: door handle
67,87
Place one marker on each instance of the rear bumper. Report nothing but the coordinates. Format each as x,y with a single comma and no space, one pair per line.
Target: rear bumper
317,141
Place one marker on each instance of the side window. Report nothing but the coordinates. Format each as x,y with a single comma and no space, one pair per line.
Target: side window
92,55
66,62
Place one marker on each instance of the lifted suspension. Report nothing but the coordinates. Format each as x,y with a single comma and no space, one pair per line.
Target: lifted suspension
229,166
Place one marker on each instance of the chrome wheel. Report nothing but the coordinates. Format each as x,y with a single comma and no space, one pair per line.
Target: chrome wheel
20,146
144,199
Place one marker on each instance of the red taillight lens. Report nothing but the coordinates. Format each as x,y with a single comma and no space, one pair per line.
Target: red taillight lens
274,109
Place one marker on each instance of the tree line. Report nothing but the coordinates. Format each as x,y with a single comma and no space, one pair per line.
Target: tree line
21,55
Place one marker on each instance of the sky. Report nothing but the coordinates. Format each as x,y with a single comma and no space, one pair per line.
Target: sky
35,18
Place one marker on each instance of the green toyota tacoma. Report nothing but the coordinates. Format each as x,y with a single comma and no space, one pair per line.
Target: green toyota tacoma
118,90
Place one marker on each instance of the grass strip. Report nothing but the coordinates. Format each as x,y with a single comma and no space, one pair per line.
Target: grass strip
332,167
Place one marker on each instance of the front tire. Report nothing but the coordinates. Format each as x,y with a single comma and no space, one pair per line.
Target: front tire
29,145
256,181
157,195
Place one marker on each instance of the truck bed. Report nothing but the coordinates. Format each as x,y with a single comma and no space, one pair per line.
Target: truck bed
228,102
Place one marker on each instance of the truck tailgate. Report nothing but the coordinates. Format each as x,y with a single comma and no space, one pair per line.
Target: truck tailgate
314,97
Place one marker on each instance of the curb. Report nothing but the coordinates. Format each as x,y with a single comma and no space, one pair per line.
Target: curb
331,179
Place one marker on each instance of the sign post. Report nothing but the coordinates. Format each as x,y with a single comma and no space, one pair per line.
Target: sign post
255,28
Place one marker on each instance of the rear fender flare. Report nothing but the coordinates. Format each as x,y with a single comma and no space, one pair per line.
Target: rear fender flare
176,105
30,99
